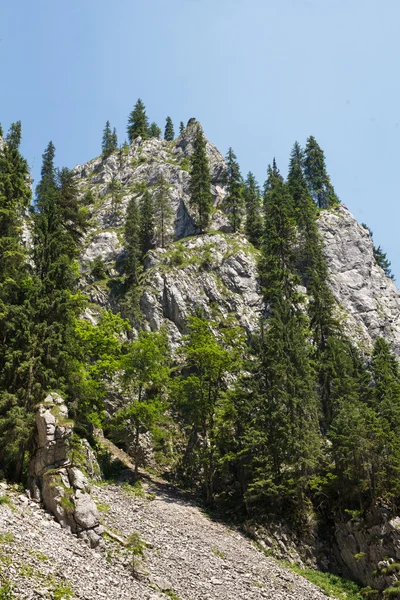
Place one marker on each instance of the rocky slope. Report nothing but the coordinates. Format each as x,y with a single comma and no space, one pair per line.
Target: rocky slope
187,556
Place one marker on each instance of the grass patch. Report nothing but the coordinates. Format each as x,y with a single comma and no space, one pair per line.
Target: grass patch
135,489
63,591
39,555
217,552
6,538
5,500
6,592
332,585
171,594
103,507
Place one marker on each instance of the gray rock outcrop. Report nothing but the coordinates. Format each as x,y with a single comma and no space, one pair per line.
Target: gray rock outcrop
215,273
370,301
55,479
369,549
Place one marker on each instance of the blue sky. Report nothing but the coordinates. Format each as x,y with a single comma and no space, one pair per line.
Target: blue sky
258,74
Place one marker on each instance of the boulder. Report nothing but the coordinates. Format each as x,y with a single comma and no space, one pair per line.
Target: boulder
55,480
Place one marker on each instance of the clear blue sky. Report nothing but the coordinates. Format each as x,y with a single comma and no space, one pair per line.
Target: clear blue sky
258,74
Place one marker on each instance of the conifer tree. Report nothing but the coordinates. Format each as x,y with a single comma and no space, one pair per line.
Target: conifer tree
59,225
252,199
321,304
147,223
109,142
114,138
317,177
380,256
162,211
181,127
169,133
233,201
282,438
138,124
154,131
16,415
385,479
200,181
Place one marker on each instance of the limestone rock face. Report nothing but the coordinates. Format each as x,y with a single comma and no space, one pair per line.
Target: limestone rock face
216,273
370,300
55,481
367,548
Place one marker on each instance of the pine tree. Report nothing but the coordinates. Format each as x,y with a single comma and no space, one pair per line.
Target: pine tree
59,225
233,201
386,403
114,139
252,199
138,124
162,211
380,256
16,415
147,223
312,264
200,181
282,439
154,131
169,133
109,142
317,177
181,127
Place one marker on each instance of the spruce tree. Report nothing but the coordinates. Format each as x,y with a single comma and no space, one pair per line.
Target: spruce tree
233,202
380,256
200,181
109,142
16,320
386,403
59,225
312,264
282,438
317,177
169,133
252,199
147,223
154,131
138,124
181,127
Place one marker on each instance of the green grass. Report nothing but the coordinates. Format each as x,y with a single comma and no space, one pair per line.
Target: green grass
332,585
6,538
5,500
171,594
218,552
6,590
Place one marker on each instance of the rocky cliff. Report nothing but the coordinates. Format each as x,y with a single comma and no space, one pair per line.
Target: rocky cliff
218,271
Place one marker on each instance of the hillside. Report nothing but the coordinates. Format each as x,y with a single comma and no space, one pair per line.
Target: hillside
187,555
241,344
